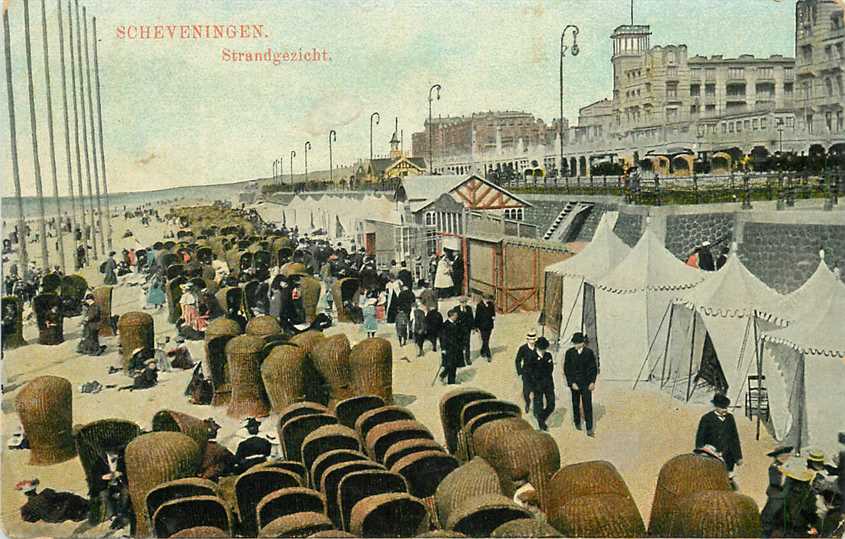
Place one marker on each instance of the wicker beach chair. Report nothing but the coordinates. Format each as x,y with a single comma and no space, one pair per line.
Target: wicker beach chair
356,486
716,513
243,354
283,372
304,524
371,368
49,319
348,410
406,447
251,487
173,292
679,477
169,420
389,515
332,534
310,288
292,466
488,436
525,527
582,479
345,290
480,515
329,459
327,438
135,330
230,297
308,340
475,478
202,532
179,488
382,436
473,409
153,459
331,359
45,408
184,513
174,271
384,414
599,515
525,454
263,326
330,483
217,334
103,299
425,470
295,430
298,409
441,533
451,405
92,441
466,450
288,501
72,292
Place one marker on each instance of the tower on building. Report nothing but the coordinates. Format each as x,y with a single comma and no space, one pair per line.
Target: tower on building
395,150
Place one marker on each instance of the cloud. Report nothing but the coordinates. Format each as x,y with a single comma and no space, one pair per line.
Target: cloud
146,160
332,112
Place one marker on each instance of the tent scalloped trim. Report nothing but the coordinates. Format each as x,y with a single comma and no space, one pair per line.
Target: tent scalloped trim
661,288
808,349
733,313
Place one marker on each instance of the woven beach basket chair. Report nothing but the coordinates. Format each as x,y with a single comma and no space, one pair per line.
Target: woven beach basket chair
135,330
287,501
331,359
251,487
310,288
382,436
407,447
303,524
424,471
347,289
465,449
356,486
103,299
349,410
173,292
330,484
475,478
294,268
295,430
263,326
155,458
681,476
525,454
243,354
169,420
389,515
53,333
473,409
299,409
217,334
716,513
384,414
283,372
488,436
329,459
327,438
308,340
230,297
371,368
441,533
599,515
293,466
45,408
582,479
201,532
525,527
179,488
332,534
451,405
316,389
184,513
480,515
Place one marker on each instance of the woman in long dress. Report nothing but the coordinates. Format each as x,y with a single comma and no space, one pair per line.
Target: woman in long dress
155,295
370,324
443,283
91,320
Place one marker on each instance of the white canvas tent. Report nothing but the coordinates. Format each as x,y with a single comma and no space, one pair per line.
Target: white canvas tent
631,303
807,360
799,304
714,342
596,260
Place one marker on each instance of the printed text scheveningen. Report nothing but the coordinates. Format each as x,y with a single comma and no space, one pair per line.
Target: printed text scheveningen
191,31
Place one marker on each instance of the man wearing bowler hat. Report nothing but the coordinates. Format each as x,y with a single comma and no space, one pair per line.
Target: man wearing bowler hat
580,370
718,429
774,492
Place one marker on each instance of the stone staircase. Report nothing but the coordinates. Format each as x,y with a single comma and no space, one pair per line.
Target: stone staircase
560,228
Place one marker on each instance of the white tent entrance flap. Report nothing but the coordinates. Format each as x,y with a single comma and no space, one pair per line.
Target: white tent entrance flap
588,321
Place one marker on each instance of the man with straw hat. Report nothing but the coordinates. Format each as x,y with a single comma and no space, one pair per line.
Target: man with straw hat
580,370
774,492
799,516
525,358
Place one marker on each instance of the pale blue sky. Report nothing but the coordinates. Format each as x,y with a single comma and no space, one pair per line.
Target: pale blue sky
175,114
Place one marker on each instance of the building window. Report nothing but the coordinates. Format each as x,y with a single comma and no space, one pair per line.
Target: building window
828,53
735,90
710,109
808,90
430,219
695,90
730,127
693,110
672,71
810,123
790,122
788,73
787,88
755,124
765,72
671,89
710,90
764,123
747,125
695,73
807,54
672,113
710,73
828,82
736,72
724,128
839,120
765,89
828,120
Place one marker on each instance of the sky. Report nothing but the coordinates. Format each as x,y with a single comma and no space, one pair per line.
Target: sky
175,113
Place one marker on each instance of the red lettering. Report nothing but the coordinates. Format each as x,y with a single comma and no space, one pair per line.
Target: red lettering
159,32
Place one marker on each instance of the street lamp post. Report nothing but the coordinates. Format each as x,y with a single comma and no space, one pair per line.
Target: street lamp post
275,167
292,155
575,50
332,137
431,127
281,171
780,135
307,147
377,117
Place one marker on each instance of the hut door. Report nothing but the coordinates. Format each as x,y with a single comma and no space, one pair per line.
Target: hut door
370,243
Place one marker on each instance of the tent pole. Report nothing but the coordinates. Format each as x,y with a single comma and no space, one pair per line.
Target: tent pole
666,348
691,351
572,309
803,402
759,358
651,347
741,357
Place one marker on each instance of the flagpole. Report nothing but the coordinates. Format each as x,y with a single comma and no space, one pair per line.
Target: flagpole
67,134
84,229
36,163
102,147
93,131
23,257
85,128
51,136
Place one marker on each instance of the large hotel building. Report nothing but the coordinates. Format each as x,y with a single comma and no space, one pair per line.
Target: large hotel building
669,109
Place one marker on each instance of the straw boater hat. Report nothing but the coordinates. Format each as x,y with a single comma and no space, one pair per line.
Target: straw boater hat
137,350
150,361
797,471
816,455
531,336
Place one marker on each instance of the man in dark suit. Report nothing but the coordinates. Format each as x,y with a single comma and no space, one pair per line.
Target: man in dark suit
544,384
580,371
485,317
253,450
526,356
452,342
718,428
433,326
466,321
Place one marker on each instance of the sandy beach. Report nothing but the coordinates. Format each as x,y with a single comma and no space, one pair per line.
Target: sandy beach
635,430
